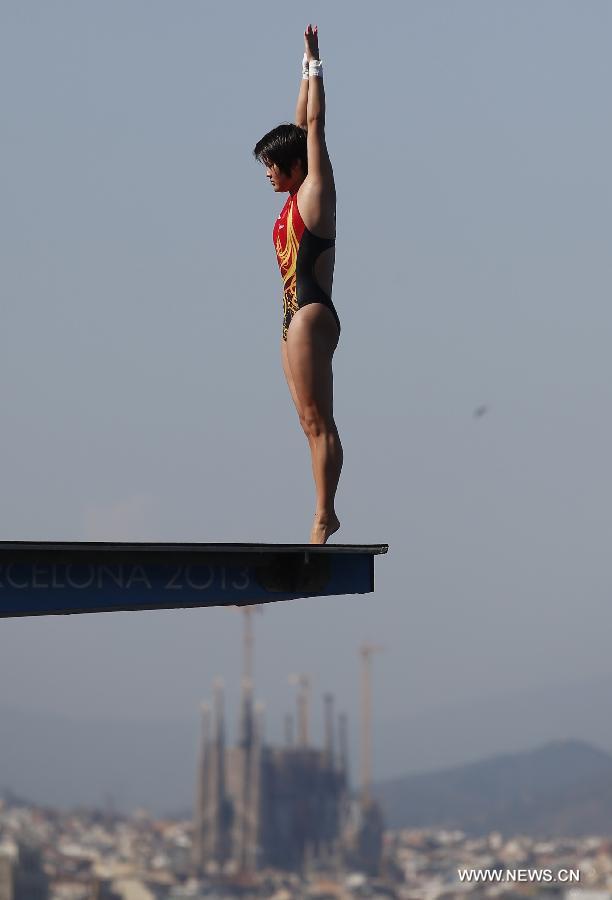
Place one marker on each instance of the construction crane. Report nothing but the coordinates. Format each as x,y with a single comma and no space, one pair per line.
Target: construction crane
260,714
247,719
328,700
247,642
366,650
303,706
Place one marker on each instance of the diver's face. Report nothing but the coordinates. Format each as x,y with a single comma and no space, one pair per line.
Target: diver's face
276,178
281,182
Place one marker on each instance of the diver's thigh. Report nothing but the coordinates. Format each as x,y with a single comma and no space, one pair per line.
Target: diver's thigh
310,347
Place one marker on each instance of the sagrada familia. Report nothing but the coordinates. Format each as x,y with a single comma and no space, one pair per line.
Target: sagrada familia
260,806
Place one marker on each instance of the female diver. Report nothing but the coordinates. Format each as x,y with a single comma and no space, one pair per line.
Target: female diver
304,234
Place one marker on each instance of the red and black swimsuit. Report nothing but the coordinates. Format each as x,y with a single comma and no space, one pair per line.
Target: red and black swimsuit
297,250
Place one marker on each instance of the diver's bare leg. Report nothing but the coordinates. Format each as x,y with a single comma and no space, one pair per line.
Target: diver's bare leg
312,338
293,392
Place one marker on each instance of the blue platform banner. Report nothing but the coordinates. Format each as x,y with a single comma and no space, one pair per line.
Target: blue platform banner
56,579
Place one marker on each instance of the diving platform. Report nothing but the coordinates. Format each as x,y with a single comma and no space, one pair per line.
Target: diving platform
42,578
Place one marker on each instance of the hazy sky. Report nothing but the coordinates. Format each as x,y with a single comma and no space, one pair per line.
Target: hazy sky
142,391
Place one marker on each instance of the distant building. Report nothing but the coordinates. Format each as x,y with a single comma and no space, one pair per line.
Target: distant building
102,889
260,806
22,876
363,837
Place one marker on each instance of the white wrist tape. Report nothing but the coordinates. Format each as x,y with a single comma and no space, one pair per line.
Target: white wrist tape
315,67
304,67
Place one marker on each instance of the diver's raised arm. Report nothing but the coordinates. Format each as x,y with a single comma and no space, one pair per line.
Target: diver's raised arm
316,93
301,118
320,170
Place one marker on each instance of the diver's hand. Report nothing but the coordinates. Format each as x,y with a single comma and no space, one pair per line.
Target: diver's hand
311,42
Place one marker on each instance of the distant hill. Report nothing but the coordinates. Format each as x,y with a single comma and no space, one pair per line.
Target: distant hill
560,788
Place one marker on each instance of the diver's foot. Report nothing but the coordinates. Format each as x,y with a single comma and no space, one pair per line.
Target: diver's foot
323,526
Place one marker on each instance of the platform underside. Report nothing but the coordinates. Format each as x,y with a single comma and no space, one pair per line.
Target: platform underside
69,577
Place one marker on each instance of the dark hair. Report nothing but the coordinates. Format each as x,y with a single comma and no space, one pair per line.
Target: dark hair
283,145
